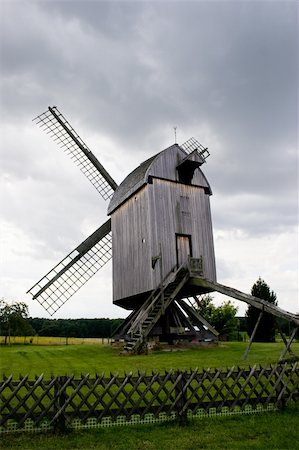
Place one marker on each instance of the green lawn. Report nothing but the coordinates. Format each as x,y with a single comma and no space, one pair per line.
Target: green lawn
76,359
275,431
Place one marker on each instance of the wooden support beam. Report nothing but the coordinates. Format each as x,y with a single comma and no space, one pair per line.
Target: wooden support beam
198,317
185,320
251,300
252,335
288,345
282,334
122,329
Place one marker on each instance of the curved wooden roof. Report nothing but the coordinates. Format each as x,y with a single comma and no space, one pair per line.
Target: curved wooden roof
162,165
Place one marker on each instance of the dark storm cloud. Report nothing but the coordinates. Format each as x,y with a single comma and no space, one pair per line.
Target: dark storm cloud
127,69
158,62
225,72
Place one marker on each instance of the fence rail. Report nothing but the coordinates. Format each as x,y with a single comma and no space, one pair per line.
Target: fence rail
65,402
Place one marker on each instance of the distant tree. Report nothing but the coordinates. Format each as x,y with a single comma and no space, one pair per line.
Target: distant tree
14,320
243,323
222,318
37,323
225,321
205,307
50,328
267,326
82,328
115,323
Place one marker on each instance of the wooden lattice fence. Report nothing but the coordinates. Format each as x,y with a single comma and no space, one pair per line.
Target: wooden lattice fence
69,402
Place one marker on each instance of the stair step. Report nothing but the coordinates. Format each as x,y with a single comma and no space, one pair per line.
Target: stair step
155,304
133,340
130,344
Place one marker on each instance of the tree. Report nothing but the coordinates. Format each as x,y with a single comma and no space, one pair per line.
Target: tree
205,307
222,318
82,328
225,321
266,329
14,320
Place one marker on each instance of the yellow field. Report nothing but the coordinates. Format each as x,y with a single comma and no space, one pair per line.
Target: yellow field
44,340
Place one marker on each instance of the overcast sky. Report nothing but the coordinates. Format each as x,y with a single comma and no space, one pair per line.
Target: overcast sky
124,74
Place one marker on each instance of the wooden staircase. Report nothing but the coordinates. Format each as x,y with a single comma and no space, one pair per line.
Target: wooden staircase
153,308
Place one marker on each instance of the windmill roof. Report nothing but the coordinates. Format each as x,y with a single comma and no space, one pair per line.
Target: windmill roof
163,164
133,182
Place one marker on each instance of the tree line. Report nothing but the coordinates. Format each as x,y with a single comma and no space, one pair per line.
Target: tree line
15,320
82,328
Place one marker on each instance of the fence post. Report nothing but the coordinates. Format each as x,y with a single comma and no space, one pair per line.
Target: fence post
60,398
181,392
281,402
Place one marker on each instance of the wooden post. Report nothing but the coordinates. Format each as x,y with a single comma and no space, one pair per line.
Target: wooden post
288,344
281,334
252,336
60,398
180,391
281,403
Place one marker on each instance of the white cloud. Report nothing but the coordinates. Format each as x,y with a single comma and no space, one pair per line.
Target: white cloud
242,259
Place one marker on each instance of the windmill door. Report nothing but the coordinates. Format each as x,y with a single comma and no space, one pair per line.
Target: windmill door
183,248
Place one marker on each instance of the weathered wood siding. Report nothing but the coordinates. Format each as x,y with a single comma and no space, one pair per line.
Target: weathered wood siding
150,221
178,209
164,166
131,247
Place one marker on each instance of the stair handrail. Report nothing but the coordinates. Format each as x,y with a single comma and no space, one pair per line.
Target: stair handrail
125,324
151,301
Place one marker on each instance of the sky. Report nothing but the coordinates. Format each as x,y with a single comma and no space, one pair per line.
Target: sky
124,74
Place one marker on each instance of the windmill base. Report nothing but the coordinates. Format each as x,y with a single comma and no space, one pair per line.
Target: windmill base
168,343
167,317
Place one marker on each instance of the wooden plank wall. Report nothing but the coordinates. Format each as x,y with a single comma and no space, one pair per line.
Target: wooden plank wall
151,219
131,247
181,209
164,166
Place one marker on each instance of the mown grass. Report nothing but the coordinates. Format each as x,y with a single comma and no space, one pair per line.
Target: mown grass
276,430
51,340
76,359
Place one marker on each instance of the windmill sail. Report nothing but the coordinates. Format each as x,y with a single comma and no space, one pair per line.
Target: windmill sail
55,124
192,144
67,277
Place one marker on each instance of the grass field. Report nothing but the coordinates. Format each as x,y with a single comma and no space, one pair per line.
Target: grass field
275,430
45,340
76,359
271,431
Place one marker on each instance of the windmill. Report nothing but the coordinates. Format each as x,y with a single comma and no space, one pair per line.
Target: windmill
160,233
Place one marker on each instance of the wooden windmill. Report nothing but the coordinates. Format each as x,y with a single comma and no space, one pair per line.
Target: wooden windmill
160,235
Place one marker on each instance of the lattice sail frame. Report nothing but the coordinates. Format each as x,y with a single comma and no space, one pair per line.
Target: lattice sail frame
70,274
56,125
192,144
